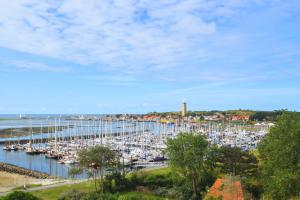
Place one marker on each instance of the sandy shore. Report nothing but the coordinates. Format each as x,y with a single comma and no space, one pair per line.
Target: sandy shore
9,181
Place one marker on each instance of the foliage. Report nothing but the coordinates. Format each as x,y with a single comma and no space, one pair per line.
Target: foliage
19,195
189,155
266,115
252,186
280,155
75,171
96,159
101,196
235,161
115,182
72,194
137,196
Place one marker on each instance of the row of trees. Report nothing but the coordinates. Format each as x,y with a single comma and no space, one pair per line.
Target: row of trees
279,154
199,162
274,173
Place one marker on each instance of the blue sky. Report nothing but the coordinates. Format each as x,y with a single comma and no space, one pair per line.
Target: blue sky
137,56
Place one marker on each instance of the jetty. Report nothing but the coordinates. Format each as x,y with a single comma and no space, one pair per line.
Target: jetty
22,171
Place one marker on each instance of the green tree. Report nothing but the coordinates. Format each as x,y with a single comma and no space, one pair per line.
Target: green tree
235,161
280,156
189,155
96,159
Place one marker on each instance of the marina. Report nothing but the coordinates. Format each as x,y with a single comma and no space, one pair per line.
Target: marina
138,143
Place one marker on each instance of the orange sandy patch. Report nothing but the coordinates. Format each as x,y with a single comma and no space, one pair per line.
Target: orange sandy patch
227,189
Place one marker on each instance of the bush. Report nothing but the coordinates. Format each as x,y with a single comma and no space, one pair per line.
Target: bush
136,196
72,194
253,186
155,181
115,182
136,179
18,195
104,196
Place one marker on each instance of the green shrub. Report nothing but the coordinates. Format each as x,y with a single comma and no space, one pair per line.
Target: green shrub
155,181
115,182
19,195
136,179
104,196
136,196
72,194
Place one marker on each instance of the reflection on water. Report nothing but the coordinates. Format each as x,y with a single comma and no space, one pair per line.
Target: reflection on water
36,162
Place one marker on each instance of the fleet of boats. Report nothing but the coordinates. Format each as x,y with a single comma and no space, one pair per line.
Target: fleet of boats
138,143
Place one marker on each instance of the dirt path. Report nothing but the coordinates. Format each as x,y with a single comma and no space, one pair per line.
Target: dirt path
9,181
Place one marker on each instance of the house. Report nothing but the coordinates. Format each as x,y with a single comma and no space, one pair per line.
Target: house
240,118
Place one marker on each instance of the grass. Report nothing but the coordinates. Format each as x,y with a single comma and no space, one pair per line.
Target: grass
28,186
54,193
153,171
145,195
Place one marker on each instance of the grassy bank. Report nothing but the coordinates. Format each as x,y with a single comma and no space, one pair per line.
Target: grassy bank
55,192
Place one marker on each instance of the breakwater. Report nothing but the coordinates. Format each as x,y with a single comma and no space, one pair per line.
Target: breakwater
64,138
22,171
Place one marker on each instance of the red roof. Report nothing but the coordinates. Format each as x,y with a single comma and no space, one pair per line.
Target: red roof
227,189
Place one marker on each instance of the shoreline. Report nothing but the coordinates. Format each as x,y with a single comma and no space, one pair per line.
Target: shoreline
9,168
13,181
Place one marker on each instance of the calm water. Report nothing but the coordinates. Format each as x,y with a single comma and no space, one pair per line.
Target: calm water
50,166
35,162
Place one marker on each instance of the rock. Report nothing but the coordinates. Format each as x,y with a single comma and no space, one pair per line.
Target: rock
22,171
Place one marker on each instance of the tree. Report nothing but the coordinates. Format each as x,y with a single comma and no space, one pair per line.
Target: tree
280,156
190,156
235,161
96,159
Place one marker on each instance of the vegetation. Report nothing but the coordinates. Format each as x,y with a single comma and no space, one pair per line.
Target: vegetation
271,172
235,161
72,194
266,115
254,115
280,155
18,195
190,157
96,159
56,192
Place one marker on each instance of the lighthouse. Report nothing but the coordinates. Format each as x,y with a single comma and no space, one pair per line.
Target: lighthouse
183,109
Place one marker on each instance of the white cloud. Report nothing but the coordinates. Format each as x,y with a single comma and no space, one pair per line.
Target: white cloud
113,78
24,65
124,35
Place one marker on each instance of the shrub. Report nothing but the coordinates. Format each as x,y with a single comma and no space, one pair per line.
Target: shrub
136,196
104,196
19,195
155,181
72,194
115,182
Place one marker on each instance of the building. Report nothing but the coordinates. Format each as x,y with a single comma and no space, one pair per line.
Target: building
183,111
240,118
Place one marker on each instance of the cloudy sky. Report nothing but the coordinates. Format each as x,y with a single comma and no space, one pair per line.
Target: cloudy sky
136,56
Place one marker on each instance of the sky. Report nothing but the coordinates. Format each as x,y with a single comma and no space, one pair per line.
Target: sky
139,56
